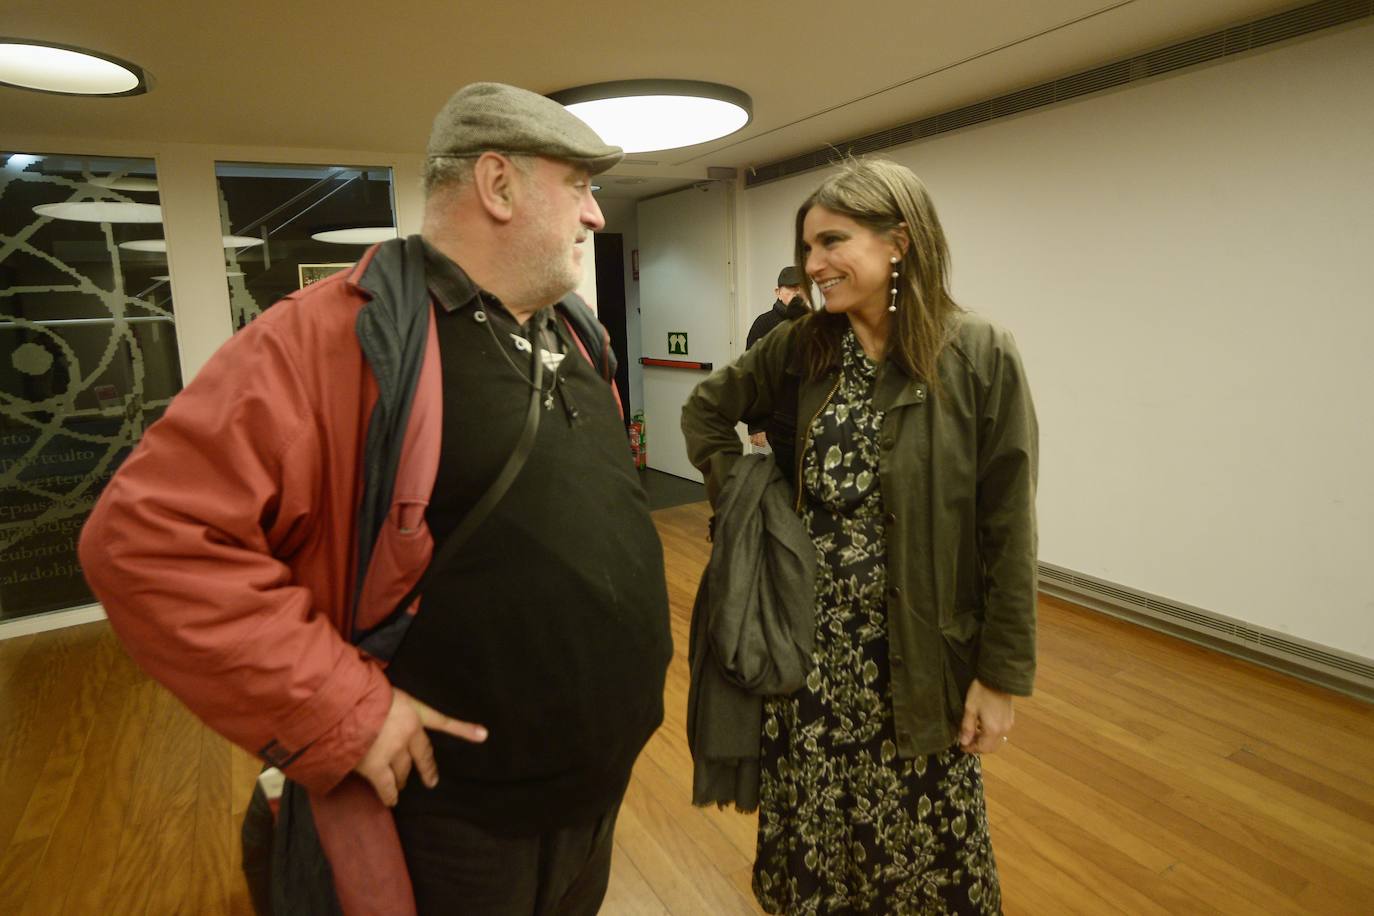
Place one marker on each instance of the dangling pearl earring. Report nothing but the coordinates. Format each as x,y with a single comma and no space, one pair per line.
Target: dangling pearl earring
892,304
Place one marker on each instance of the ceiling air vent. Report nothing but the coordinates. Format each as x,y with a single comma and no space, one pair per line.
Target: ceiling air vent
1279,27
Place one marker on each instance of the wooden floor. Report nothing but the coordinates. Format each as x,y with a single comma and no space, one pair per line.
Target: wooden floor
1145,776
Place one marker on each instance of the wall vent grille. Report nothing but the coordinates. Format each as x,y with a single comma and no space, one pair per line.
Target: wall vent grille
1329,667
1236,40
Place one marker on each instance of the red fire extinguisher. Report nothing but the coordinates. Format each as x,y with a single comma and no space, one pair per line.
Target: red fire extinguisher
639,440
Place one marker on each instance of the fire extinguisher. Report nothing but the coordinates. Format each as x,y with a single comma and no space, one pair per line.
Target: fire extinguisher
642,454
635,430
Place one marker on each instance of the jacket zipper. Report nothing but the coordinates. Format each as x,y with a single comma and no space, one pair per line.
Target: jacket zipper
806,437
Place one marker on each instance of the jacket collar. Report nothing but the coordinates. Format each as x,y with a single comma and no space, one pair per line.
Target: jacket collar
449,284
794,309
381,269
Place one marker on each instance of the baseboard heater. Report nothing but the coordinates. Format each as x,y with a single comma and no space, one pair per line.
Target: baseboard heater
1350,674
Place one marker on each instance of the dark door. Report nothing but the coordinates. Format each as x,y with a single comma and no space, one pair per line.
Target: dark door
610,304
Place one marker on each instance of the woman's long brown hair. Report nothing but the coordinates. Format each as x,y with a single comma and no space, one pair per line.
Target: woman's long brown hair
888,199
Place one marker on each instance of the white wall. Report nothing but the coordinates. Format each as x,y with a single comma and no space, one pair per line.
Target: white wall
1186,264
765,225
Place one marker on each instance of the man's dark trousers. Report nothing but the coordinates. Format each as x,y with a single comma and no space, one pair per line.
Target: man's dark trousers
459,868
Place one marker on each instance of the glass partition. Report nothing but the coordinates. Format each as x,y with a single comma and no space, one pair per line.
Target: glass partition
88,355
286,226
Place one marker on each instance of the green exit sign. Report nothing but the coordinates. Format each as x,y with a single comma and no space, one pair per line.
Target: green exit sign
677,343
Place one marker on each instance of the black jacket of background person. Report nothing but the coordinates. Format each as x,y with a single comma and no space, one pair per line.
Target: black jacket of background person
767,322
774,317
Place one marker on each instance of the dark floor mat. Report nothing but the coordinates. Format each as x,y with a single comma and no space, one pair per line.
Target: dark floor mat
668,490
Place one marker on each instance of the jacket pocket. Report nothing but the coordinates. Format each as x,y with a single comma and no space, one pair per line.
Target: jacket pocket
399,558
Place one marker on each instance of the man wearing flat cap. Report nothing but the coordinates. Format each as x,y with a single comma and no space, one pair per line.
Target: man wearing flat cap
788,304
389,540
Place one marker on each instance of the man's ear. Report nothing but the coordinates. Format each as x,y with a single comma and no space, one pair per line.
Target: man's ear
493,178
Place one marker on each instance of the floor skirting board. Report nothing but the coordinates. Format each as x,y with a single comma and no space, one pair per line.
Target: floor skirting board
51,620
1350,674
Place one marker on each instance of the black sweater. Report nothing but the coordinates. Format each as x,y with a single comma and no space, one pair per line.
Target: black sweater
551,628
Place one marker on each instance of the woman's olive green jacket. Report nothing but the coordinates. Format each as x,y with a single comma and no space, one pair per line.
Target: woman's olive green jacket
958,472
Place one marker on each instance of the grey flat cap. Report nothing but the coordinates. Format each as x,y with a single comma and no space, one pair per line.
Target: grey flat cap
790,276
494,117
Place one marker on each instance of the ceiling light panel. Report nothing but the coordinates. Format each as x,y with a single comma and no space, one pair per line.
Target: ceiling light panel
361,235
124,184
101,211
645,115
67,70
160,245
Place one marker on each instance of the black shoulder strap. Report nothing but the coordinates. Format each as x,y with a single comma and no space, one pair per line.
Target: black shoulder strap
384,639
589,330
482,508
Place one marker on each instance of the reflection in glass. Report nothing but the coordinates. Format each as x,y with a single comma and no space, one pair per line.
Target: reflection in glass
285,206
88,357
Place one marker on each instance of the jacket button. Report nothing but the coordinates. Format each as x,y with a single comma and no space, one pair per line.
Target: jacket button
895,591
920,394
903,737
890,518
898,662
889,441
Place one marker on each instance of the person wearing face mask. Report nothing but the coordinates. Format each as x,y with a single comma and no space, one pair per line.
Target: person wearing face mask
789,303
914,464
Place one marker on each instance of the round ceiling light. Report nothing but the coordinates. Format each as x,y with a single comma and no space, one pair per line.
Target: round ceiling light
125,184
65,70
361,235
165,278
230,241
645,115
101,211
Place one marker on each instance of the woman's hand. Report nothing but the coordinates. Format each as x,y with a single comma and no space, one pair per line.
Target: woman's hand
402,745
988,717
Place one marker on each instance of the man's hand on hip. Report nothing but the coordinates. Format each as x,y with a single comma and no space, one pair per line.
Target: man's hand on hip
402,743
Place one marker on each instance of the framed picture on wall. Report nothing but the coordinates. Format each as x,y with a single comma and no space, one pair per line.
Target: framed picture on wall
313,273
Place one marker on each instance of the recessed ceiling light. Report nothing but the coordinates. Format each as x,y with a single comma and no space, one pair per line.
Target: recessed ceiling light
361,235
230,241
125,184
642,115
66,70
101,211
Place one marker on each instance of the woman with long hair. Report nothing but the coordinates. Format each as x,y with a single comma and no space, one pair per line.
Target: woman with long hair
907,428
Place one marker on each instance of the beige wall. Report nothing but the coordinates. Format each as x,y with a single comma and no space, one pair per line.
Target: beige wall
1186,264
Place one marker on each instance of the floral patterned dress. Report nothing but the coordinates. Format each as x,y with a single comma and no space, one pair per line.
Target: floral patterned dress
845,825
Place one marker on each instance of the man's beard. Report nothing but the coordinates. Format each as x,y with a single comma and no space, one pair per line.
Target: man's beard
549,279
546,267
